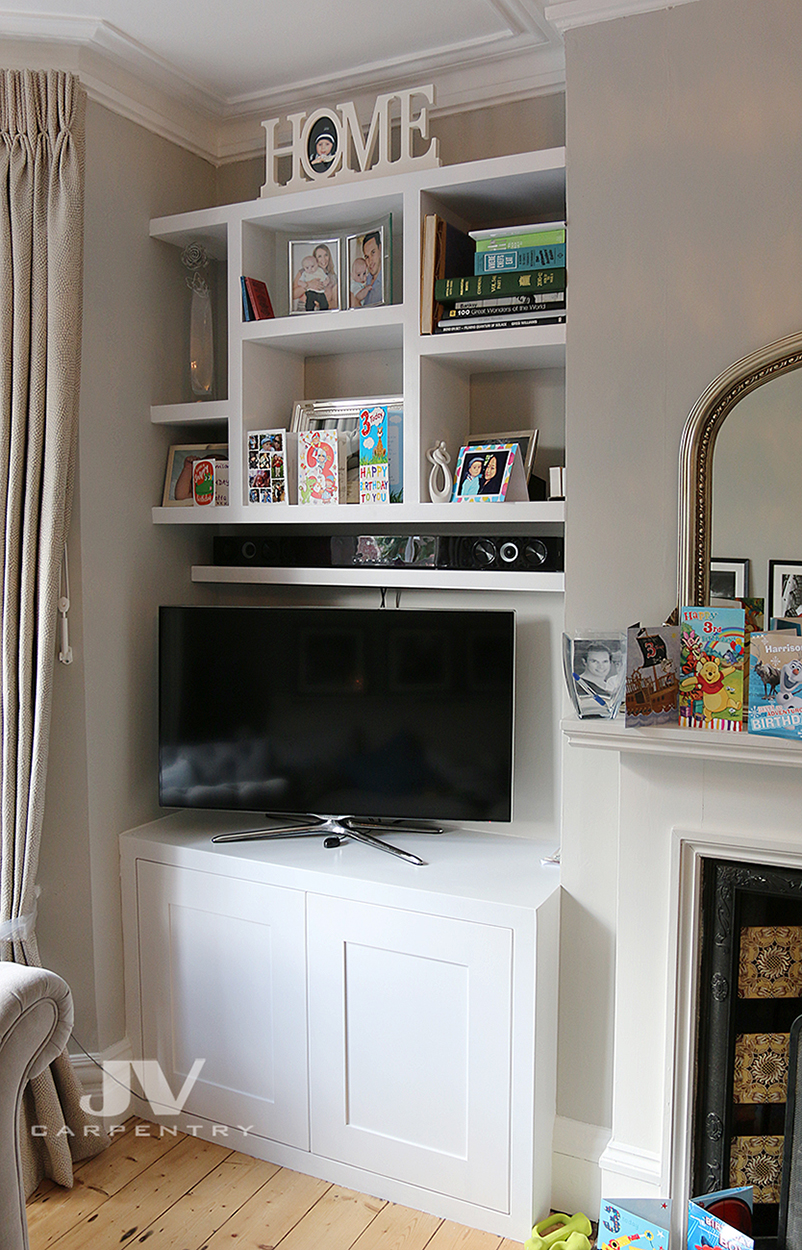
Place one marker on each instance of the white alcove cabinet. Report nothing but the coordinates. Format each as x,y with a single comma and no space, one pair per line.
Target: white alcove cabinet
387,1027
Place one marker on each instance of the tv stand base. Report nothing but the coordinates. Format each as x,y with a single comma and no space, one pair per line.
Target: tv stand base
356,828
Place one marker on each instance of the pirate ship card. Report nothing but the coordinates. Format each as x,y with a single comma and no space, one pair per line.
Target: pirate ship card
712,664
652,689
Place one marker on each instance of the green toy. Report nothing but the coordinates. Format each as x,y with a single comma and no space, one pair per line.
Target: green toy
571,1232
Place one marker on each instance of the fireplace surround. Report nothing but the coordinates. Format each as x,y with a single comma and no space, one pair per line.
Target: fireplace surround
674,800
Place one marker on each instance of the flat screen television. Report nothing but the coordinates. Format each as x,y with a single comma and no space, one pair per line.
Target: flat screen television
383,715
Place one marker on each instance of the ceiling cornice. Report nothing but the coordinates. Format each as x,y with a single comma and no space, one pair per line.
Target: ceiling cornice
566,14
131,81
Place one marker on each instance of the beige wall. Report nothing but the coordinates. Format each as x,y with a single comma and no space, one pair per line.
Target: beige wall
102,776
684,141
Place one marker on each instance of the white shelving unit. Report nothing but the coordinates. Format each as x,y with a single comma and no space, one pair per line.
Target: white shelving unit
272,364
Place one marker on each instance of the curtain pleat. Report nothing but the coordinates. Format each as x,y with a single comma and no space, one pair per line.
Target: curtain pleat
41,282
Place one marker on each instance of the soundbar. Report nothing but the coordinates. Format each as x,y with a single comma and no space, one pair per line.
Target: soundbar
512,553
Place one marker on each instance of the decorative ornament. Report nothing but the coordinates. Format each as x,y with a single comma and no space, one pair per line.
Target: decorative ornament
201,343
439,459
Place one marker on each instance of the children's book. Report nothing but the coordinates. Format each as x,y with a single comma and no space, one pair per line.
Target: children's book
722,1220
652,690
374,455
644,1222
267,466
712,663
775,684
321,467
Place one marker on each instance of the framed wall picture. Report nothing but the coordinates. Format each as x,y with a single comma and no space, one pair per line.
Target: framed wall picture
177,491
314,275
369,264
729,579
785,588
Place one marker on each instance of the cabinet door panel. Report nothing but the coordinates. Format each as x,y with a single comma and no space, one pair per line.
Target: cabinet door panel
223,980
410,1019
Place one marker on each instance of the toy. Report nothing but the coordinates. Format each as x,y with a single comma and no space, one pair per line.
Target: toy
572,1231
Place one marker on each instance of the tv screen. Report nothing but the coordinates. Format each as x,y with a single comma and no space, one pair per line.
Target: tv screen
337,711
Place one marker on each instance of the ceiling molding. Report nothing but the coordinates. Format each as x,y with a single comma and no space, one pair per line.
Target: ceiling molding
567,14
126,78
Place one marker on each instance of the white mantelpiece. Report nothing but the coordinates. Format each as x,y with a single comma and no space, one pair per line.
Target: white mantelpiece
666,800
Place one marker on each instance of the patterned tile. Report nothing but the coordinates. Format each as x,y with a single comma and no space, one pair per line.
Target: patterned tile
757,1161
760,1072
770,962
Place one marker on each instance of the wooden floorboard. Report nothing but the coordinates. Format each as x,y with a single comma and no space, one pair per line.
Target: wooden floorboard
182,1193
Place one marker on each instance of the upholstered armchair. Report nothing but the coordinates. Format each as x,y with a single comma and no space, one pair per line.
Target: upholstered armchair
35,1024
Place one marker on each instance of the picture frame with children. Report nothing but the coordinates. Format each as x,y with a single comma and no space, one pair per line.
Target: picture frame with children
314,266
368,260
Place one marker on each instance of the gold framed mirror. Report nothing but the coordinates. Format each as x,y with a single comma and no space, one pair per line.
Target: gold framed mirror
696,457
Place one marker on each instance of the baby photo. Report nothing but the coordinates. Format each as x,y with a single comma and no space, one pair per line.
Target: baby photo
367,268
314,284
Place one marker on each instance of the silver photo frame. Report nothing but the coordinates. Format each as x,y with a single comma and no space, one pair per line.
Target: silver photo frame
314,275
368,265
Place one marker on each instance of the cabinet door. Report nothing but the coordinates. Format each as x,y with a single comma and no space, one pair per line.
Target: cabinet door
223,974
410,1046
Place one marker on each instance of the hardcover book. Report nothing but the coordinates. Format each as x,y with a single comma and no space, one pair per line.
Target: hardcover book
652,691
267,466
498,238
321,467
374,459
481,284
258,299
543,257
518,306
499,323
446,253
775,684
506,303
712,660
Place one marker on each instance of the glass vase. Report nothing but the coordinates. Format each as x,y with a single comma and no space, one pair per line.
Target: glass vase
201,344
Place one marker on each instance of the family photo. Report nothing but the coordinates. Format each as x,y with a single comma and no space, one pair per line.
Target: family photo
314,281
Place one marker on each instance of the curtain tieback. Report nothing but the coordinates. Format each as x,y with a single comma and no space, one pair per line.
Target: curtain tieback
20,928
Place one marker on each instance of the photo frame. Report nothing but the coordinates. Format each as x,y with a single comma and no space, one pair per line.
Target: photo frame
785,588
343,415
729,579
483,472
595,668
314,275
177,491
368,266
526,440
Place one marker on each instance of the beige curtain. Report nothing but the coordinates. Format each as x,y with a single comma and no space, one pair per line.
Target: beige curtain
41,263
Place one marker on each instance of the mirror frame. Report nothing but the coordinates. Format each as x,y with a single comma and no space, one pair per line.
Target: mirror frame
696,458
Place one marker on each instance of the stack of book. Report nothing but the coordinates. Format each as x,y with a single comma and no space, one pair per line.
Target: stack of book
519,278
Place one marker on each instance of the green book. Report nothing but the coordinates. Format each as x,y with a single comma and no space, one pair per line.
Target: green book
484,284
534,238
